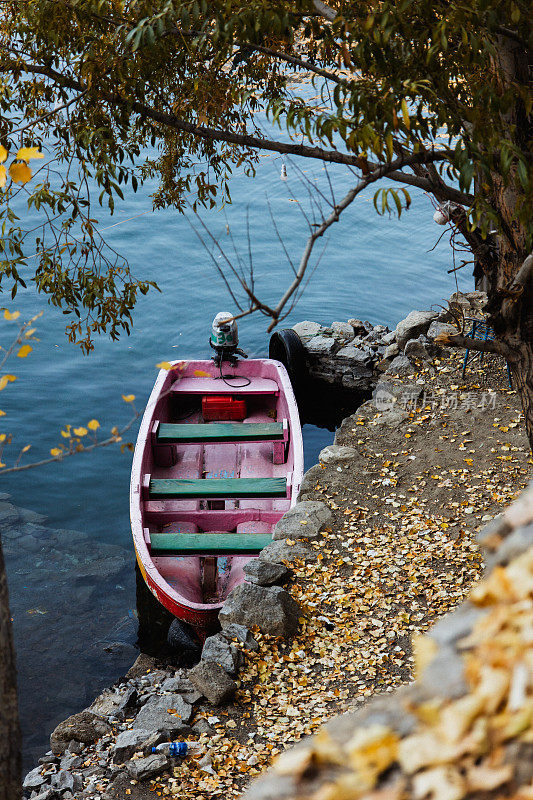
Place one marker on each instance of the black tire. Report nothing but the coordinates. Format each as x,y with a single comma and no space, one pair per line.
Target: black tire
184,643
286,346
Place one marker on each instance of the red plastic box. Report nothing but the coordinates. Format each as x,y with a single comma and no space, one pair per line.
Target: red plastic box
223,407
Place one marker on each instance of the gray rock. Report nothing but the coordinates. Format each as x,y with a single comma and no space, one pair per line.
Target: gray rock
213,682
182,685
272,787
391,350
359,326
512,546
49,758
305,520
309,480
34,517
389,338
155,715
83,727
271,608
70,761
266,573
113,704
320,345
102,568
417,349
456,625
280,550
342,330
202,726
437,328
401,366
65,781
336,452
413,325
307,329
9,515
128,743
34,779
352,354
217,649
142,769
242,634
48,794
389,711
443,677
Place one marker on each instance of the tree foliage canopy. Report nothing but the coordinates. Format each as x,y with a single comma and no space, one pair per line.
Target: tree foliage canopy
430,94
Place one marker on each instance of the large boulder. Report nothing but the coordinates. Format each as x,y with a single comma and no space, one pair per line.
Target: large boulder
307,329
220,651
266,573
168,713
83,727
305,520
271,608
413,325
144,768
129,742
337,453
213,682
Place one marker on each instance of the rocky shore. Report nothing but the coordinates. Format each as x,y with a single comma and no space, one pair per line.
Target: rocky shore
381,542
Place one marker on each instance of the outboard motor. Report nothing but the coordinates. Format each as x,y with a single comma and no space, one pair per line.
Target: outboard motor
225,339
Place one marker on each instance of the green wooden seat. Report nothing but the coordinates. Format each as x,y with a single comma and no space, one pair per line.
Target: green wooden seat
219,488
171,433
168,544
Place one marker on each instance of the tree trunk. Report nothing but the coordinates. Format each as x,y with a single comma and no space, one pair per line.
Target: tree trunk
10,741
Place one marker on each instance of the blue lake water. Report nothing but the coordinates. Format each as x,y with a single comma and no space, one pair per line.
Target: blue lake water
373,268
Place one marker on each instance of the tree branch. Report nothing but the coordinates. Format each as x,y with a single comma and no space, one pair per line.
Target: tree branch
480,345
243,140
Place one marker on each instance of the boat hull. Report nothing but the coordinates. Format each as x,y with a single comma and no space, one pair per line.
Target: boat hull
193,587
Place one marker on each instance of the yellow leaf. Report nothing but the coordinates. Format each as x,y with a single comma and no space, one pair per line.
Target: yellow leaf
128,398
405,115
80,431
11,315
3,177
2,437
2,413
26,448
24,351
114,431
200,373
164,365
5,379
65,434
3,153
20,173
29,333
25,153
93,425
56,451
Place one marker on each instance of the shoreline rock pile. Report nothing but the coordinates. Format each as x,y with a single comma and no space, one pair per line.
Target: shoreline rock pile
352,355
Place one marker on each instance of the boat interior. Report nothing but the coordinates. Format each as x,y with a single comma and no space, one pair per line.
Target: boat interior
217,477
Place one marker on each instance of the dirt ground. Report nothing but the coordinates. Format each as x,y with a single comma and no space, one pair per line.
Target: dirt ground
401,552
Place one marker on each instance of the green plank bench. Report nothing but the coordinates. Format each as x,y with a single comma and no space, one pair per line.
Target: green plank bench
167,434
172,433
219,544
213,488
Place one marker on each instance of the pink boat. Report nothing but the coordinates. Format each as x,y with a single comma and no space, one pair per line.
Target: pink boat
218,461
